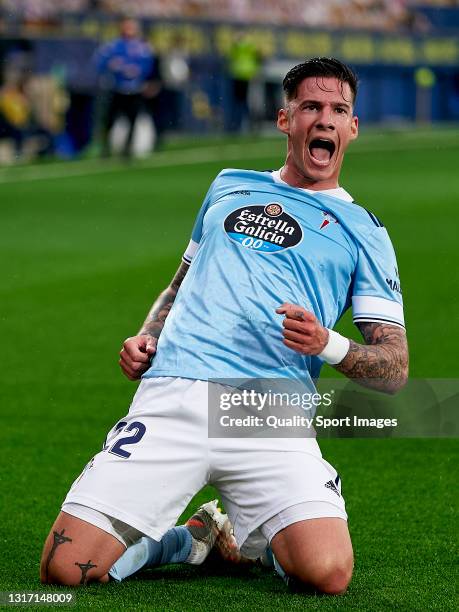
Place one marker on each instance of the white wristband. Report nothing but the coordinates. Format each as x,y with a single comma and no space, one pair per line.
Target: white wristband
336,348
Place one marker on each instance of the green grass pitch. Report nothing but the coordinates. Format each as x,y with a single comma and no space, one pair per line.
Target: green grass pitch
85,248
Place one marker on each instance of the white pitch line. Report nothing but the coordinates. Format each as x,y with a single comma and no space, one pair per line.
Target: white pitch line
189,157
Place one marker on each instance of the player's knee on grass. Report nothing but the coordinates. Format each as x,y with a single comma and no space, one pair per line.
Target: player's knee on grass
328,576
316,555
77,552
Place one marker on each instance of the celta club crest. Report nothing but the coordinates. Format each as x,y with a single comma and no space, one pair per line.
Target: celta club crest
274,209
328,218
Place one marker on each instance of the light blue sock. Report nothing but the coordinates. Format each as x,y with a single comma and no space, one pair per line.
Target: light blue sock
269,560
174,547
279,569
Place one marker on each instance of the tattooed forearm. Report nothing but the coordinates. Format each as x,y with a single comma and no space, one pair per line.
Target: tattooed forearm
59,538
382,363
154,322
85,567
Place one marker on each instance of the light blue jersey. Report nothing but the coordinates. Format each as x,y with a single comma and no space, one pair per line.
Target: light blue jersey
256,243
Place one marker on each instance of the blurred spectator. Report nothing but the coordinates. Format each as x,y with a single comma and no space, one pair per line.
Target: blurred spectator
43,10
244,62
126,67
15,114
174,71
387,15
32,108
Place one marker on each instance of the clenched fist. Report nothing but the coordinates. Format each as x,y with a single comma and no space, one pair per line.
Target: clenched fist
136,354
302,331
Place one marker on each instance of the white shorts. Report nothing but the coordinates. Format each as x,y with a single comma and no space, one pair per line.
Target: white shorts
159,456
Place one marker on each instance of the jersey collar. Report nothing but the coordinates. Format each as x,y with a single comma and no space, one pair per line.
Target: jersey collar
338,192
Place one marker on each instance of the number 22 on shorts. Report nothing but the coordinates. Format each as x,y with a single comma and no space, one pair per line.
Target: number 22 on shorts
138,430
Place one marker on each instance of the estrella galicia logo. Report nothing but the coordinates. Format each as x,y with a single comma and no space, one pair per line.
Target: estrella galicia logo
267,229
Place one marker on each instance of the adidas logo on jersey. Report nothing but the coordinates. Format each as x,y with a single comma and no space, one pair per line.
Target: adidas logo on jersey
243,192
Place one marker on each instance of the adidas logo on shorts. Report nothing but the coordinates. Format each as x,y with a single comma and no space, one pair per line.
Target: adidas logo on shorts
331,485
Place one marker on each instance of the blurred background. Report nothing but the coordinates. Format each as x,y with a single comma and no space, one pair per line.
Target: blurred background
171,94
83,78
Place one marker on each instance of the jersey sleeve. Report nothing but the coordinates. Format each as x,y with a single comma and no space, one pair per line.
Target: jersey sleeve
376,294
196,233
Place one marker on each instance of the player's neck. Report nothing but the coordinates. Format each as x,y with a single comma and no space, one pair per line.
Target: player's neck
292,177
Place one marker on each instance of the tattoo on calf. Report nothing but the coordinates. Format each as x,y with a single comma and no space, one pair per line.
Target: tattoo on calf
85,567
59,538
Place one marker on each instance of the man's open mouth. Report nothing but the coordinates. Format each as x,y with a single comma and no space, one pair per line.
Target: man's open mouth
321,150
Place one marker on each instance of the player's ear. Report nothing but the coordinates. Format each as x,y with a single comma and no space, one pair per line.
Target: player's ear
283,120
354,127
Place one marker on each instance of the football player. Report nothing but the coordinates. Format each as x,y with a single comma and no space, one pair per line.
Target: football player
275,259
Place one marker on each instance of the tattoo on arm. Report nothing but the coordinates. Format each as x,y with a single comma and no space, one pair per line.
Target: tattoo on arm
85,567
154,322
59,538
381,363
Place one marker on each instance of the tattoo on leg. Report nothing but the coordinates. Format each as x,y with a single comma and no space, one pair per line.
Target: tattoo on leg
59,538
85,567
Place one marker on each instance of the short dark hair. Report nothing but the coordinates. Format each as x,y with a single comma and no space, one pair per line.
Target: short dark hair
319,67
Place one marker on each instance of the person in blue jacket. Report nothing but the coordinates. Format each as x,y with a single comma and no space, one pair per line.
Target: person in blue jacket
125,67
